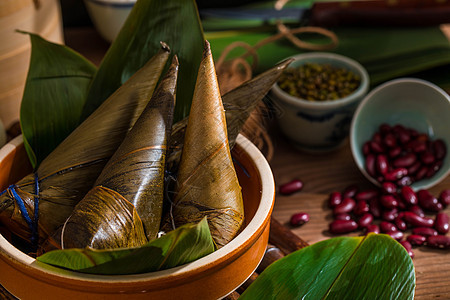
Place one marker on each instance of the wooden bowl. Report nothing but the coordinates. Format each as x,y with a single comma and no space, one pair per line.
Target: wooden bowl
211,277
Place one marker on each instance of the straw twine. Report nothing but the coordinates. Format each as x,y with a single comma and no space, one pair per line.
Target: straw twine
232,73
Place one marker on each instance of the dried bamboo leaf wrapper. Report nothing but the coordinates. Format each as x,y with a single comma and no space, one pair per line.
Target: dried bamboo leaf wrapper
68,173
135,175
123,229
239,103
206,176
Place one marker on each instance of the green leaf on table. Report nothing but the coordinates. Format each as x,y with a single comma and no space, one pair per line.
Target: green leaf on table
174,22
54,96
371,267
180,246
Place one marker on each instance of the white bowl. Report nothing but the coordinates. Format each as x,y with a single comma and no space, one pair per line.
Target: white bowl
318,126
108,16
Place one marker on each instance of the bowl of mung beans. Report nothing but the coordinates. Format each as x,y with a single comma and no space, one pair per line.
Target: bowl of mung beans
315,99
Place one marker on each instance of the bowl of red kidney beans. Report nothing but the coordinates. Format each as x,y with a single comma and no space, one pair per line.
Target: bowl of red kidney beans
400,134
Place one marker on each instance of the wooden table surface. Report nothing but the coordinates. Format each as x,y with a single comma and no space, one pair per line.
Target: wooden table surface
321,175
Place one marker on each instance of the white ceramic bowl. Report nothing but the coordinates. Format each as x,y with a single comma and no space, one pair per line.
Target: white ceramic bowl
317,126
108,16
413,103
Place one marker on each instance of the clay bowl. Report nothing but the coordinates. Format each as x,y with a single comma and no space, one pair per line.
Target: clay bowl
211,277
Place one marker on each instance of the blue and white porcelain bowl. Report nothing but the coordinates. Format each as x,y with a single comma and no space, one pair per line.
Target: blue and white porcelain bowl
319,126
108,16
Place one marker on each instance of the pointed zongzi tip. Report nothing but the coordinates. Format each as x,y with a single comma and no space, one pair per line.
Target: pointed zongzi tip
206,49
175,60
164,46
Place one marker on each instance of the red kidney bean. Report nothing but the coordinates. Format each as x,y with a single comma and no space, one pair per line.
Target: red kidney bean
408,248
373,228
350,191
395,174
291,187
334,199
414,168
387,226
405,160
366,195
366,148
439,241
389,140
444,197
409,195
374,207
345,206
376,146
421,173
389,187
377,137
416,221
345,217
433,168
299,219
370,164
388,201
416,240
394,152
384,128
396,235
416,146
403,136
341,226
428,201
400,224
361,208
365,220
405,180
427,157
439,149
382,164
401,203
389,215
425,231
441,223
417,210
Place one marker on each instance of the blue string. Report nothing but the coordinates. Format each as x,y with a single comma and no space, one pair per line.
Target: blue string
33,225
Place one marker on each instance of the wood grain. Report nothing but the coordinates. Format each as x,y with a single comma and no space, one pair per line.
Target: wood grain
322,174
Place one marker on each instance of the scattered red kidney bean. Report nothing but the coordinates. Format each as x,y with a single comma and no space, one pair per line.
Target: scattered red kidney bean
365,220
444,197
396,235
389,215
374,207
389,187
350,191
407,245
441,223
416,240
400,224
428,201
409,195
417,210
291,187
373,228
345,206
388,201
366,195
334,199
387,227
361,208
345,217
341,226
439,241
425,231
416,221
299,219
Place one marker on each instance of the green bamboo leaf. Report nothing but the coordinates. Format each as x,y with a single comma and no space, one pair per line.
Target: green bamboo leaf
54,96
174,22
371,267
183,245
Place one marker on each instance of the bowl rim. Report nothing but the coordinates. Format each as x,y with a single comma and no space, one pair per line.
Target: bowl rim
252,231
356,150
328,104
